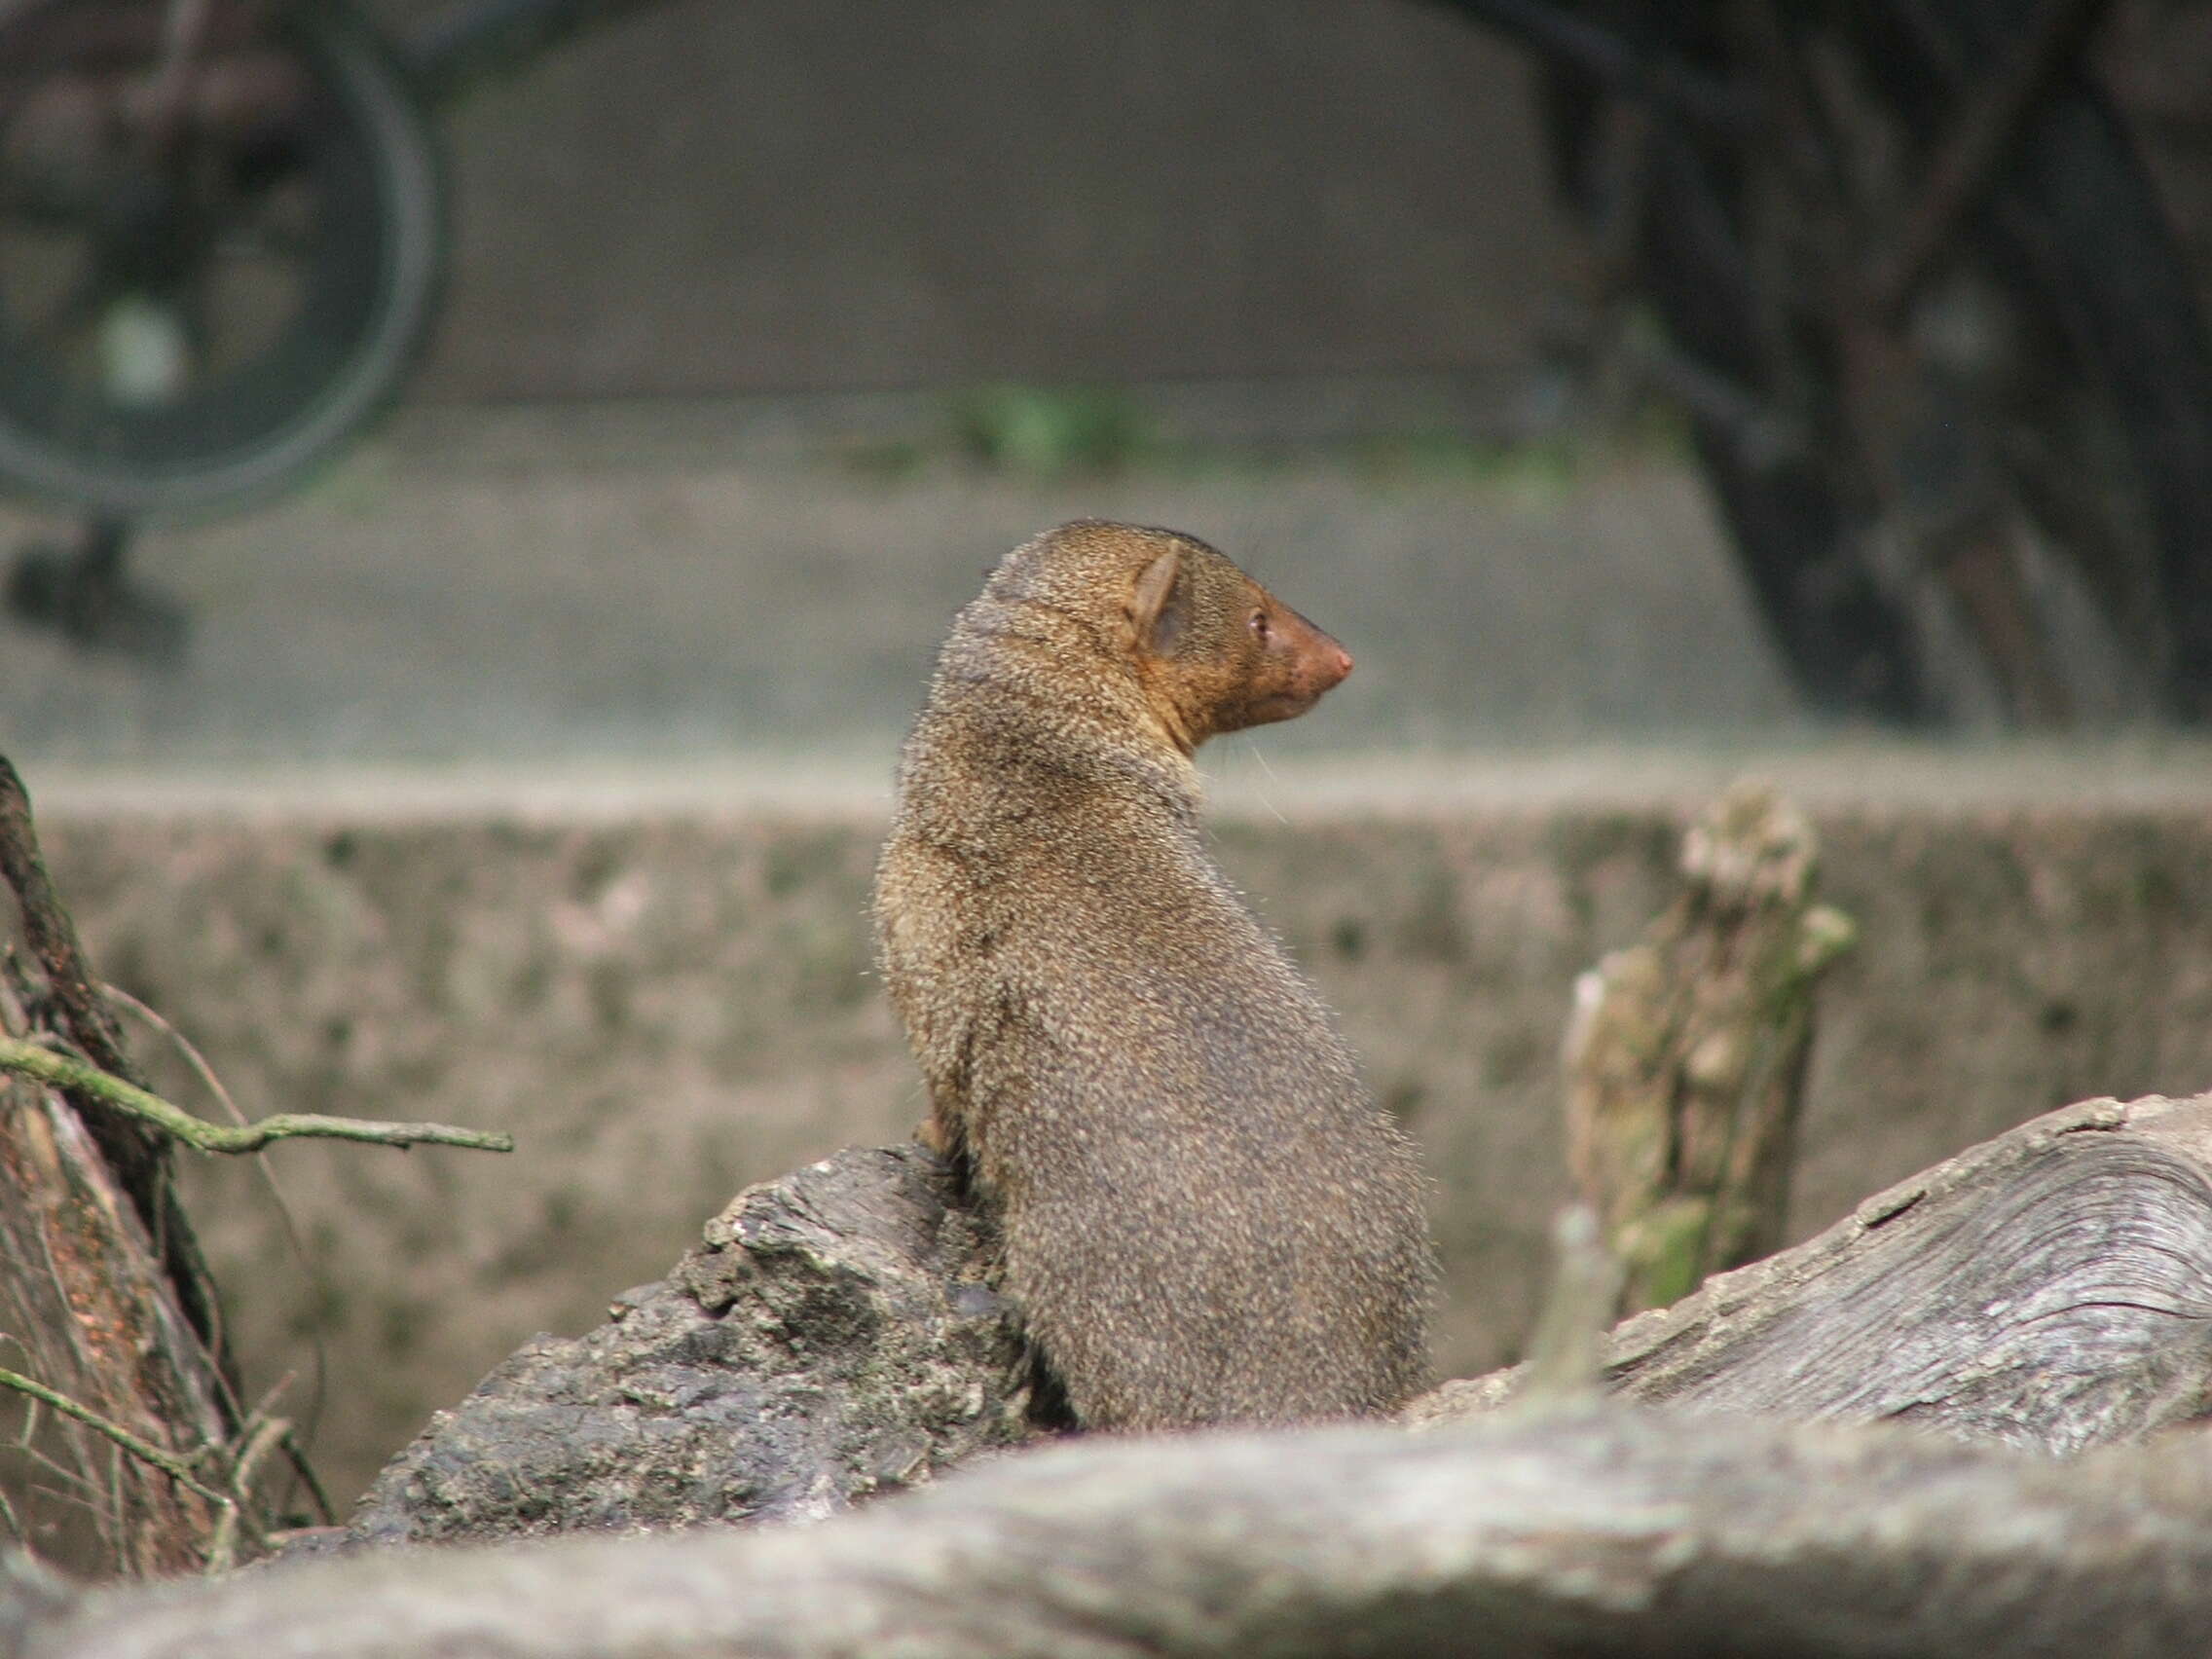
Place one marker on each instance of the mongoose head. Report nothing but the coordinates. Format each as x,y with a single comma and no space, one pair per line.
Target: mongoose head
1216,651
1212,650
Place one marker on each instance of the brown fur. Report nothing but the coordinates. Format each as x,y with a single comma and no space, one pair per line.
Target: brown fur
1204,1218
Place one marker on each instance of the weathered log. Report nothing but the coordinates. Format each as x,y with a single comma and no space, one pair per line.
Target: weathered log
2053,1287
1607,1531
1686,1061
831,1338
2049,1289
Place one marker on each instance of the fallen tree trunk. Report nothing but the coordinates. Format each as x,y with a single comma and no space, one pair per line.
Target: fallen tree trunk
2049,1289
1597,1532
2052,1288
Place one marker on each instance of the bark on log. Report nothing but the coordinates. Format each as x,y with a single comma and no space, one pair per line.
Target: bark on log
83,1296
74,1008
1686,1061
2049,1289
2053,1287
831,1338
1605,1531
103,1290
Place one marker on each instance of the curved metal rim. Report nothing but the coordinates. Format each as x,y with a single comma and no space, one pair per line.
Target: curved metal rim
400,136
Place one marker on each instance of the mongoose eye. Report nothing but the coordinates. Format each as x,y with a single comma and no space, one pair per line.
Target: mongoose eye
1259,626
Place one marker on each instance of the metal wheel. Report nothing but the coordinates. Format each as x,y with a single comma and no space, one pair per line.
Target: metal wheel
221,243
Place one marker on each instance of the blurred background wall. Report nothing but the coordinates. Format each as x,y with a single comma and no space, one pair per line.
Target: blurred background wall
714,197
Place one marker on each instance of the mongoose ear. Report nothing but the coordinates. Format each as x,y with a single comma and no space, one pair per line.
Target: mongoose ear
1160,605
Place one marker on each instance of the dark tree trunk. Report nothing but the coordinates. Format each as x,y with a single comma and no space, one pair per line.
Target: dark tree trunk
101,1285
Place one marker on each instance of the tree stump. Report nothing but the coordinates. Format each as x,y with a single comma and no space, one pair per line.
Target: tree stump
1685,1059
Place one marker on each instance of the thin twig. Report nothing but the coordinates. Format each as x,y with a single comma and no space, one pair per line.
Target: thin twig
295,1453
110,1514
295,1444
169,1462
222,1548
76,1487
264,1435
267,1435
1565,1356
218,1337
318,1494
61,1071
182,1044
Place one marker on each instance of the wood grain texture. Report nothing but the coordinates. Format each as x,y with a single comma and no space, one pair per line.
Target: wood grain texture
1605,1531
84,1305
2049,1289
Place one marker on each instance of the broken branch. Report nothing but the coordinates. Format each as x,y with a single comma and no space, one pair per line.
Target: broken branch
61,1071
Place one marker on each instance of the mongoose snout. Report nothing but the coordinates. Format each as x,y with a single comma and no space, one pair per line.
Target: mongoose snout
1305,663
1204,1218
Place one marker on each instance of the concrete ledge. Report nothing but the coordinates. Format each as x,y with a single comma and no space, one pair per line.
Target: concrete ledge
2143,769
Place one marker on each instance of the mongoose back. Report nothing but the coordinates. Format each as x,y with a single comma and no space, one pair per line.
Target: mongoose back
1204,1218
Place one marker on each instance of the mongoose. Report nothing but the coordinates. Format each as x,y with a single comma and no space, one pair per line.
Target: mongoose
1204,1218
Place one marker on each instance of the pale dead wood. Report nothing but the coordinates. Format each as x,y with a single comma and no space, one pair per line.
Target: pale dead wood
1686,1061
1594,1532
2050,1288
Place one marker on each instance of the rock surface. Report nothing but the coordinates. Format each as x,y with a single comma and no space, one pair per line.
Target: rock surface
830,1338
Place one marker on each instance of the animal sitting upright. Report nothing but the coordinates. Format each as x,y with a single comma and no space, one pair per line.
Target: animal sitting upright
1204,1218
